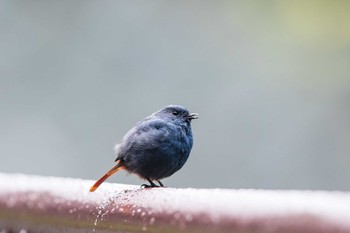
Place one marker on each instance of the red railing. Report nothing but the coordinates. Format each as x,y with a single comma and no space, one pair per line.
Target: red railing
47,204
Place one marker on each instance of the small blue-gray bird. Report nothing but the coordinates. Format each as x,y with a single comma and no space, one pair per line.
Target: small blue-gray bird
156,147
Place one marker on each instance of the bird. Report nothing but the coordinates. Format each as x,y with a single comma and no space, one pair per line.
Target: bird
156,147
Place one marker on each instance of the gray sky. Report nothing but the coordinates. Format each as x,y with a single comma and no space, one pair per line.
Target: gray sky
269,79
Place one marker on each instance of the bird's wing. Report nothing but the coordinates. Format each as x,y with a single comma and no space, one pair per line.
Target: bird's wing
148,134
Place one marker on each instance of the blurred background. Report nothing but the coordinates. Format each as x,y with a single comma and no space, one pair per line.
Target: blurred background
270,80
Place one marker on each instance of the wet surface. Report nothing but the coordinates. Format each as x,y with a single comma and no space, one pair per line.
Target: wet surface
36,204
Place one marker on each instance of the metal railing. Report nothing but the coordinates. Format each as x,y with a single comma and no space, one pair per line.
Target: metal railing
47,204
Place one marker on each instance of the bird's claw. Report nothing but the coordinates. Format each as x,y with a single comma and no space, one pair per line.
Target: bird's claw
149,186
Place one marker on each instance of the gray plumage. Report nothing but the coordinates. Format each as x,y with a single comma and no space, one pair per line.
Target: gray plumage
156,147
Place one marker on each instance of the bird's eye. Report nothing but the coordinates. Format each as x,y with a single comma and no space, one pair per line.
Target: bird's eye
175,113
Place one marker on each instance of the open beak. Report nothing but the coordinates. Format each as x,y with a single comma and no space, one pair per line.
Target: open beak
193,116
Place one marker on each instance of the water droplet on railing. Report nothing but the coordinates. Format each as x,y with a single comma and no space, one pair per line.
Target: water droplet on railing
101,213
189,218
152,220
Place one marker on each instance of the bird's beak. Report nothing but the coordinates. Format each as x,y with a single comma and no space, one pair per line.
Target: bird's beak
193,116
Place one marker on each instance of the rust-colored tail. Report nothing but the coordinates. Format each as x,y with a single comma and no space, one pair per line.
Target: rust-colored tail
111,171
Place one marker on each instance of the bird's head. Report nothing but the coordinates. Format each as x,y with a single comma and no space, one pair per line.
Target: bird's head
176,113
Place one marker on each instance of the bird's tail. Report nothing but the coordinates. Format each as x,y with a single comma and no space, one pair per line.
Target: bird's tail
114,169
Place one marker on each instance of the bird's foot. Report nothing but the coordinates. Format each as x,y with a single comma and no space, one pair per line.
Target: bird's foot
149,186
160,183
152,185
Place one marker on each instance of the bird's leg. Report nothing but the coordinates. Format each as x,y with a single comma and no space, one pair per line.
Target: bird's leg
160,183
153,185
